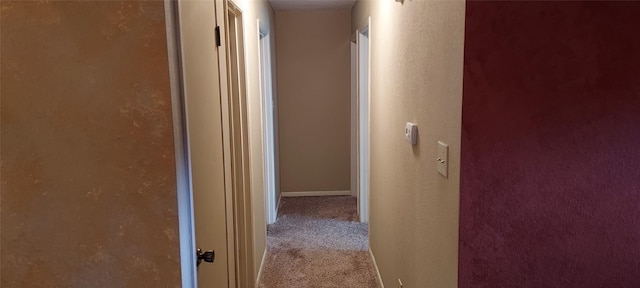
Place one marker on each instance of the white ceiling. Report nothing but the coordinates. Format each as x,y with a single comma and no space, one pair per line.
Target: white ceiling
311,4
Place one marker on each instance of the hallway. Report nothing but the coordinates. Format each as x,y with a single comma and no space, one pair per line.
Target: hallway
318,242
141,138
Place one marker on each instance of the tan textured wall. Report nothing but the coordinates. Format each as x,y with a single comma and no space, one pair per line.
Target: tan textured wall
417,65
276,119
314,99
88,171
266,14
252,11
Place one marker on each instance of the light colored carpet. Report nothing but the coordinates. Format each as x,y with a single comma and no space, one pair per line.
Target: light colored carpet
318,243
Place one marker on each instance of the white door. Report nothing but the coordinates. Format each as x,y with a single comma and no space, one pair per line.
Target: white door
201,77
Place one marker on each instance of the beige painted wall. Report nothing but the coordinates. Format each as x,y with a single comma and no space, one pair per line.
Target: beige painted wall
88,173
252,11
314,99
417,65
276,119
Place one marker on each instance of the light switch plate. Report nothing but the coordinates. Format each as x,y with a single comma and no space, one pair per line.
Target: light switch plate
443,159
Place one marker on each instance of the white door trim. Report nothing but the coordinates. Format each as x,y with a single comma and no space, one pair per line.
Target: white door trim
268,144
364,120
221,10
239,169
183,180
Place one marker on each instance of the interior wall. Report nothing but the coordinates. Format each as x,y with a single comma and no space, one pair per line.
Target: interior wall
252,10
354,119
88,173
274,87
551,145
416,76
313,68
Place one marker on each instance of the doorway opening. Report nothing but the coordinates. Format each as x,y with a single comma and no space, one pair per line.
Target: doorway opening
322,226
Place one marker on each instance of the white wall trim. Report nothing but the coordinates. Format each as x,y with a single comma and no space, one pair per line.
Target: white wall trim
363,41
264,257
266,106
278,204
316,193
375,265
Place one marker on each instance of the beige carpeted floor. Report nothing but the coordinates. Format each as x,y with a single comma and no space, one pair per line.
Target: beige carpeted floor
318,243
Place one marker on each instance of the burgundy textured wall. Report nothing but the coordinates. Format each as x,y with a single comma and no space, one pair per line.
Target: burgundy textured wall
550,180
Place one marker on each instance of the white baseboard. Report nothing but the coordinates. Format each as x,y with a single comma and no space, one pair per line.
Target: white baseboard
375,265
264,257
316,193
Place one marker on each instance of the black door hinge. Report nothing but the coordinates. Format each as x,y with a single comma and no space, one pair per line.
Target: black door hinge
218,42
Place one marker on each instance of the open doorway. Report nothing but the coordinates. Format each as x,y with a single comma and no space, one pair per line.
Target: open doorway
318,238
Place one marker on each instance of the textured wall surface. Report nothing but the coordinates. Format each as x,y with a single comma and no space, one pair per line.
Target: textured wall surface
416,76
257,9
88,171
314,98
550,180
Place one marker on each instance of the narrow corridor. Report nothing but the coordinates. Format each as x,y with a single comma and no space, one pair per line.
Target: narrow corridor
318,242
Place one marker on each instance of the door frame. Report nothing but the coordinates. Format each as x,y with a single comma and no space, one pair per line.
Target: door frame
237,121
268,120
363,121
